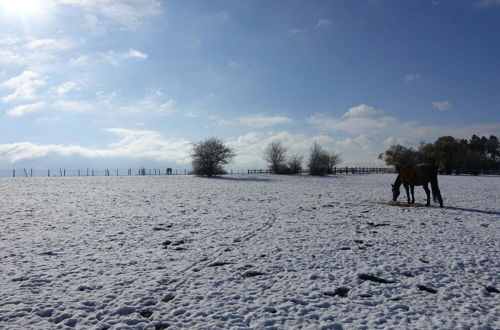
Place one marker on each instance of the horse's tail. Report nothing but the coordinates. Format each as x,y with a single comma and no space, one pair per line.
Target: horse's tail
436,193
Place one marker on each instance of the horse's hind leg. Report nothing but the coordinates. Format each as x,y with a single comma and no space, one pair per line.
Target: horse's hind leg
407,192
412,188
427,191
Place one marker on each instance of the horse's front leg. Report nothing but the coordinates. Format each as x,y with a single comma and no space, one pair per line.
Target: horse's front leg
412,187
407,192
426,188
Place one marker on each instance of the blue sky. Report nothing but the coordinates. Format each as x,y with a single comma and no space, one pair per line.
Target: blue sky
130,83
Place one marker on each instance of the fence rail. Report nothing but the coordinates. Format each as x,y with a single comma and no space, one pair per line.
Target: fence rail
340,170
62,172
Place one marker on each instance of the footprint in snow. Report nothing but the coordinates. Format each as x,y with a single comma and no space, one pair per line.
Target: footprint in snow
253,273
491,289
146,314
162,326
426,288
168,243
48,253
168,297
372,224
366,277
219,263
341,292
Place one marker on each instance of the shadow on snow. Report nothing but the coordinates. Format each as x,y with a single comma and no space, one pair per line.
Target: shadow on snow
472,210
237,179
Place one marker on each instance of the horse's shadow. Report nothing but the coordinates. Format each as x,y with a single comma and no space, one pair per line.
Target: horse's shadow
472,210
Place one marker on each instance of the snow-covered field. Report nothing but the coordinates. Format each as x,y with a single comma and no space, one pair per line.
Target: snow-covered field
247,252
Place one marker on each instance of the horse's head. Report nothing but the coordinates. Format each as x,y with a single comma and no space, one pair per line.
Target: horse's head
395,192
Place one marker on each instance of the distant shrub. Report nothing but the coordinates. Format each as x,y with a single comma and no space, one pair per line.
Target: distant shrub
322,161
294,164
275,156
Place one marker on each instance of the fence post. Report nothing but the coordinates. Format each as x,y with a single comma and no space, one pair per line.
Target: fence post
78,172
48,173
31,170
13,173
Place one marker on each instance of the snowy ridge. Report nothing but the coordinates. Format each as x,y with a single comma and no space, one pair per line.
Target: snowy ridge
247,252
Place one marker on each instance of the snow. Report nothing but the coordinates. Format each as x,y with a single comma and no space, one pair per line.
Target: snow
247,252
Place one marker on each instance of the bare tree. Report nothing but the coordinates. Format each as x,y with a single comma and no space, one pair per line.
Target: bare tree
294,164
322,161
333,160
275,156
209,156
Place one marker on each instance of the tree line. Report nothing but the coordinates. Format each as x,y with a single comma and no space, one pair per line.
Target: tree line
210,155
448,154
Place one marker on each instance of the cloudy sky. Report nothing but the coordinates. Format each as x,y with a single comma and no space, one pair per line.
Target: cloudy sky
127,83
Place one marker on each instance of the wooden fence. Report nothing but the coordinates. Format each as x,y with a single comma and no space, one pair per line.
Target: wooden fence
340,170
61,172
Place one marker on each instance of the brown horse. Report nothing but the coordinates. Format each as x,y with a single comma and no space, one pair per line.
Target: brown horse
420,175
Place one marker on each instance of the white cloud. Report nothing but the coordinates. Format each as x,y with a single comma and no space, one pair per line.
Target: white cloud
24,86
75,106
10,40
128,14
264,121
353,125
80,60
65,87
487,3
382,127
411,77
168,106
15,51
111,105
54,44
133,53
323,23
133,143
115,58
442,105
362,110
362,142
217,18
93,24
21,110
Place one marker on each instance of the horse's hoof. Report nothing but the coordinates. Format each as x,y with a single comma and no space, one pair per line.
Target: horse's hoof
427,205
